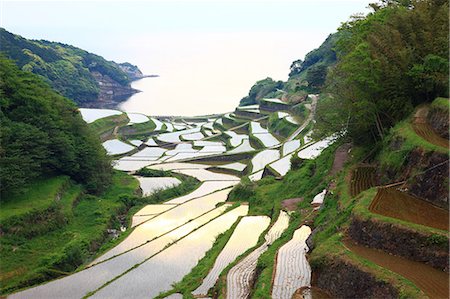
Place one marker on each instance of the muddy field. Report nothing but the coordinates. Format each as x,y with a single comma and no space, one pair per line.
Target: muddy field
362,178
393,203
434,283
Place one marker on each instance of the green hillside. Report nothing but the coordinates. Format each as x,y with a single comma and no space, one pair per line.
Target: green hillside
44,135
71,71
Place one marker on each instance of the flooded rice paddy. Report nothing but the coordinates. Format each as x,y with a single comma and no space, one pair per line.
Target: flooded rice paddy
292,270
245,236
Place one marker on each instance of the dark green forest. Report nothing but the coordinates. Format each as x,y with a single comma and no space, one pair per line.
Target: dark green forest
66,68
43,134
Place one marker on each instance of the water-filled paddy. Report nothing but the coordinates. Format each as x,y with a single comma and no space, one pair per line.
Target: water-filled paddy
117,147
90,115
245,236
172,264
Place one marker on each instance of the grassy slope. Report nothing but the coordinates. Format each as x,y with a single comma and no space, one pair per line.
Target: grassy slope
27,261
103,125
336,214
137,131
39,195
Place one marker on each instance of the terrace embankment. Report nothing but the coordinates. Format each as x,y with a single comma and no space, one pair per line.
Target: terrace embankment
400,240
433,282
345,279
424,172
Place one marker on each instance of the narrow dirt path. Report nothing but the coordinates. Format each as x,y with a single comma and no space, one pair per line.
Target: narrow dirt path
308,120
433,282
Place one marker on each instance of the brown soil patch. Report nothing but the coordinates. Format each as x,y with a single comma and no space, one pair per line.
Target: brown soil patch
340,157
426,131
362,178
433,282
393,203
291,203
312,292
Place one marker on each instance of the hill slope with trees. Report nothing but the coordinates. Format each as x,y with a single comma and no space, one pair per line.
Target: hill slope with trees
43,134
87,79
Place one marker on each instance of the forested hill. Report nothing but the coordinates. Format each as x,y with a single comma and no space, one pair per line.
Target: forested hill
375,69
43,135
305,77
87,79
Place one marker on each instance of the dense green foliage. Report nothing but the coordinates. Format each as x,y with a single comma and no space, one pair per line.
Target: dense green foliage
389,61
266,88
311,73
66,68
57,236
43,134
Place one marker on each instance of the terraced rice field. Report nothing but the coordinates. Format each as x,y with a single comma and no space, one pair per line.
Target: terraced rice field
175,166
242,148
233,166
235,139
240,277
174,137
169,127
245,236
90,115
267,139
136,142
158,124
79,284
151,142
117,147
261,159
315,149
396,204
167,221
204,175
434,283
283,165
290,147
427,132
318,199
148,212
292,268
209,187
137,118
150,185
193,136
170,265
362,178
140,159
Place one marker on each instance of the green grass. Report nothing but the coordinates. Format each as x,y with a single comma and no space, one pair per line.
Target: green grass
137,131
266,195
27,261
441,103
281,127
38,196
103,125
398,145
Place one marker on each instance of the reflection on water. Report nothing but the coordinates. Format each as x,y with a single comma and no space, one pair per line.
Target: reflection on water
167,221
171,265
79,284
245,236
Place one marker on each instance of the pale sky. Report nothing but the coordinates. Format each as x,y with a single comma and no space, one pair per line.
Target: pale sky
190,42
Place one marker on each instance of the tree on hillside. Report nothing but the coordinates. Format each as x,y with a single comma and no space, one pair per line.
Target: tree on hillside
388,62
43,134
